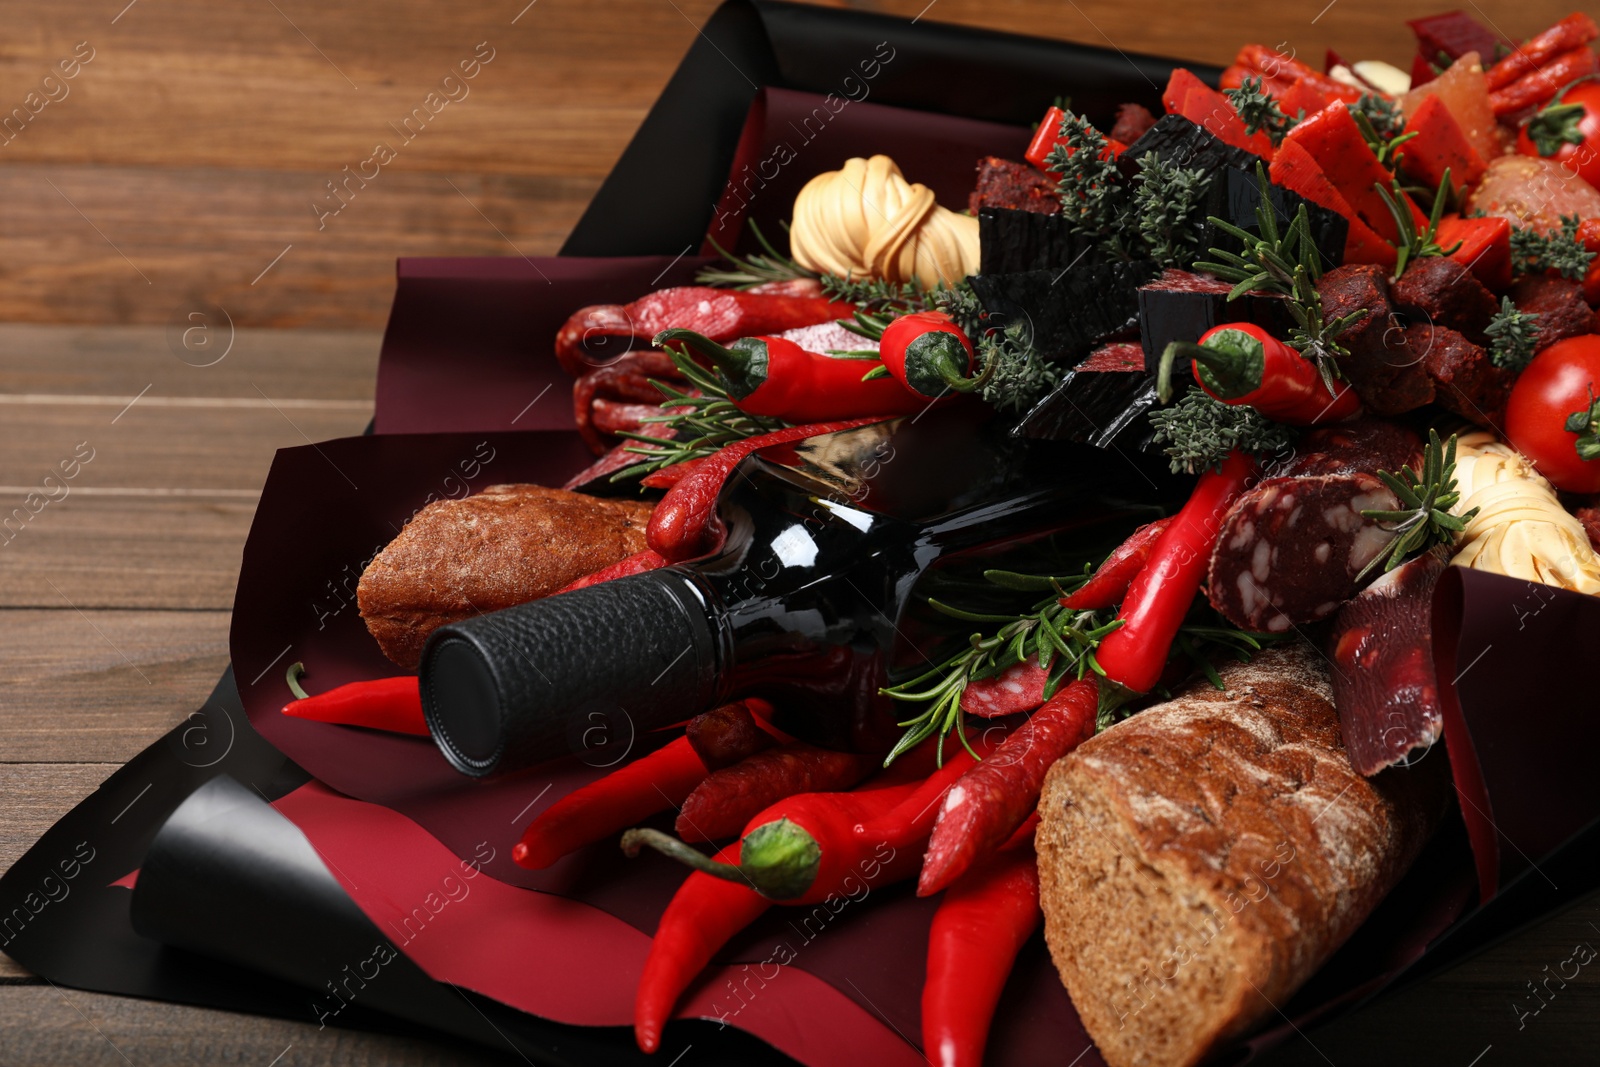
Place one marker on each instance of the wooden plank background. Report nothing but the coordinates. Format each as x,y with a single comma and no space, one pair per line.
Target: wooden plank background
168,187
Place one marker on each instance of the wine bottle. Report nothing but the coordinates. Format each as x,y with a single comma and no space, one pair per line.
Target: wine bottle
815,602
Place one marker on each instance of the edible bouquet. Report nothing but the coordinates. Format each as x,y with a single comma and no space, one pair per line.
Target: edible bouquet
1089,537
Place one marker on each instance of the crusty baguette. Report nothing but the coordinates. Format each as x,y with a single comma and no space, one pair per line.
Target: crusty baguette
1199,861
506,545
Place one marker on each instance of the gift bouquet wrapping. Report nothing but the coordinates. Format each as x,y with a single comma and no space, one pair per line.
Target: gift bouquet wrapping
903,585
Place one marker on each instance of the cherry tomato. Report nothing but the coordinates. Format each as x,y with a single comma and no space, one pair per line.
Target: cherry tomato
1575,111
1561,380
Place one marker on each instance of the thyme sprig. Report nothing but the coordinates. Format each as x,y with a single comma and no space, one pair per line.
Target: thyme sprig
1090,186
1423,518
1260,111
1200,430
1513,334
1414,244
1284,261
1563,252
692,427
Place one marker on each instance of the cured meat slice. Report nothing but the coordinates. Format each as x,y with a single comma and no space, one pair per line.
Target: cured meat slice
1020,687
1292,550
1389,379
1442,292
1017,186
1362,445
1383,680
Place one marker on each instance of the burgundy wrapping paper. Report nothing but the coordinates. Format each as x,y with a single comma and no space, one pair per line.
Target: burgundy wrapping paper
1515,661
470,341
790,137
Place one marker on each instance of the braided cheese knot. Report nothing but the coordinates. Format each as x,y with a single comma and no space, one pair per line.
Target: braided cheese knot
1521,530
866,220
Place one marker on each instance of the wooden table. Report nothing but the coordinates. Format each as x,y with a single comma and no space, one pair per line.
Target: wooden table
170,206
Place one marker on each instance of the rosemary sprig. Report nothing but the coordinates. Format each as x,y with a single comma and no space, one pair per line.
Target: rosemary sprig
1062,639
1381,114
1284,261
1414,245
1424,518
694,426
758,268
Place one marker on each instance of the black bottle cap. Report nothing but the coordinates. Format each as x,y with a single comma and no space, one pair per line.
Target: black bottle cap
583,672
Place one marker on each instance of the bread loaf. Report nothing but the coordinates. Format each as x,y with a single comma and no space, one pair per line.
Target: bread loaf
1199,861
506,545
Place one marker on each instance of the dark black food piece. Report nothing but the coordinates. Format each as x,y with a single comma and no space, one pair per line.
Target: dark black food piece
1234,195
1067,312
1013,241
1177,140
1383,680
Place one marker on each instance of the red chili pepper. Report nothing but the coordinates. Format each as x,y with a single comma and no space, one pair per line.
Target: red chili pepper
996,797
930,355
799,850
392,704
623,798
638,563
1540,85
982,923
802,849
685,523
775,377
728,799
703,915
1574,31
596,335
1240,363
1048,134
1134,653
1112,578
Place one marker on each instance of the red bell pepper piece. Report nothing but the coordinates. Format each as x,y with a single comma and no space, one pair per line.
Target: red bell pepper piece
1271,64
1048,135
391,704
1302,96
1439,145
1135,653
982,923
1485,247
1204,106
1537,87
1295,170
1533,56
1334,140
1454,33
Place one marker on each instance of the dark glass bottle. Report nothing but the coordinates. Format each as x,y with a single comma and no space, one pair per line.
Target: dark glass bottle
816,601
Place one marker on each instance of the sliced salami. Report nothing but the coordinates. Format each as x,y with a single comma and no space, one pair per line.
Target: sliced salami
1383,680
1292,550
1020,687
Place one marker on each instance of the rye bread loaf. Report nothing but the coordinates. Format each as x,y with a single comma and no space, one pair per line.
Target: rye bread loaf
506,545
1199,861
